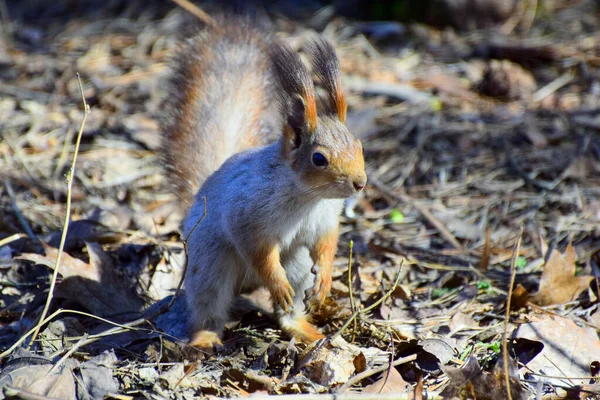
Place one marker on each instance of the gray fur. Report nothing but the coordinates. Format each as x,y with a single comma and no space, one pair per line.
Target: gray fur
253,198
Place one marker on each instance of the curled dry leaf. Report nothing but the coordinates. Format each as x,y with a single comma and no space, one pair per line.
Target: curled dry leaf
328,365
332,363
519,297
559,284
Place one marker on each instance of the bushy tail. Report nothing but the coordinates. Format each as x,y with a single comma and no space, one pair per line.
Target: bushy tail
220,101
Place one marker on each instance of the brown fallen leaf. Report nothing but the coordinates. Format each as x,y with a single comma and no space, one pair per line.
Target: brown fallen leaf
97,286
559,284
37,376
568,350
390,382
519,298
329,365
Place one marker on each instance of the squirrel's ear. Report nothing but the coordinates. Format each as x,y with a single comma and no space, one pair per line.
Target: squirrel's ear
295,124
327,67
295,90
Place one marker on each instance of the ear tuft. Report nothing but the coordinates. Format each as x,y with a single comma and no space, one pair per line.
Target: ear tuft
327,67
296,89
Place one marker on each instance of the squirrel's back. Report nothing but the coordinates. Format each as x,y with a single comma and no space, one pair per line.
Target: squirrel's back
220,102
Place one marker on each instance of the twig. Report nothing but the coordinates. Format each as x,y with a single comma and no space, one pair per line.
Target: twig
18,393
438,225
196,11
92,338
552,87
63,238
15,207
11,239
345,396
418,390
185,251
372,306
68,354
370,372
485,256
350,294
529,16
61,311
513,268
389,370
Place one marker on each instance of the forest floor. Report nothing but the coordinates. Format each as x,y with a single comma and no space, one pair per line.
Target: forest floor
483,153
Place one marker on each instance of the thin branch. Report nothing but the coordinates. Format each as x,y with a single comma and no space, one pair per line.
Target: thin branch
17,211
352,305
196,11
513,268
370,372
11,238
372,306
63,238
185,250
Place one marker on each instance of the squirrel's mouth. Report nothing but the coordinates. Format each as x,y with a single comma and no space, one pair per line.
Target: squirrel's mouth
340,189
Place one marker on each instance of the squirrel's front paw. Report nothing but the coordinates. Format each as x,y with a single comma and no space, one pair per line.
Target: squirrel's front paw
321,288
283,294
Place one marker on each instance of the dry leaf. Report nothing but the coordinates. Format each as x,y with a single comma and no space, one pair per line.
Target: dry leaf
581,169
519,298
329,366
36,375
568,349
390,382
470,382
559,284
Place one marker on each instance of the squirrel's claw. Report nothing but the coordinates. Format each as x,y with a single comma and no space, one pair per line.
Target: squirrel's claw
283,294
321,288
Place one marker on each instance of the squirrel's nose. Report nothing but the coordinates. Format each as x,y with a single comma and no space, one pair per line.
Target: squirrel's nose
359,184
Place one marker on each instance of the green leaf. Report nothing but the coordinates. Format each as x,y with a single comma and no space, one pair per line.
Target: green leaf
396,216
481,285
521,262
439,292
494,346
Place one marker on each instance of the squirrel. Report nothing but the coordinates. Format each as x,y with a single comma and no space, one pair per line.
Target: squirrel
241,130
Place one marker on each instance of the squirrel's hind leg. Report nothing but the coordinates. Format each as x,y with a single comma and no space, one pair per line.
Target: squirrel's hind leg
210,297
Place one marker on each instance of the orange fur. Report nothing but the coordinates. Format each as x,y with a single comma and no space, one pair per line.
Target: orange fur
323,255
302,330
310,113
268,266
206,340
347,164
355,163
340,102
206,88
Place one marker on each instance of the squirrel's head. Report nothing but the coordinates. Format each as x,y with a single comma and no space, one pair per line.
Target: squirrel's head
321,150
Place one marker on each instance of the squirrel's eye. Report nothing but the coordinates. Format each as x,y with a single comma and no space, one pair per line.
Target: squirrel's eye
319,160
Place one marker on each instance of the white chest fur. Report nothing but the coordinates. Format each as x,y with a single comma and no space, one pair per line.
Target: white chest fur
309,224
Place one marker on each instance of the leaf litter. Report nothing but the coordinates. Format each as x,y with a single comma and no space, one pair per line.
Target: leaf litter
469,135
